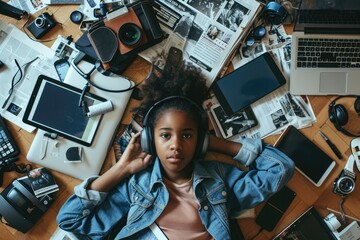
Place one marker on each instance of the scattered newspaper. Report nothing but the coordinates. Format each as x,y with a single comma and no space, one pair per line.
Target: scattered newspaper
14,44
280,108
210,31
273,113
30,6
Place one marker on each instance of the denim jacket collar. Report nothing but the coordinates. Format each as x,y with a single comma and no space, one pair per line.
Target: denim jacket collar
200,173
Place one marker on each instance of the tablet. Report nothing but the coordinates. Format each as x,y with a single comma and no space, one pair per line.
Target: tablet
248,83
309,159
54,107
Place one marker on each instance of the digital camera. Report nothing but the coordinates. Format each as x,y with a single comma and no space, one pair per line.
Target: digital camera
344,184
41,25
124,33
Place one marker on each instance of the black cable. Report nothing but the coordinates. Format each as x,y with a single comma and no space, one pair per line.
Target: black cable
342,212
87,76
13,83
257,234
9,165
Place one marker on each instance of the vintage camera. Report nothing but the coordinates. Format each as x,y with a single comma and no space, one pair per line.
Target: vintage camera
124,33
19,206
344,184
41,25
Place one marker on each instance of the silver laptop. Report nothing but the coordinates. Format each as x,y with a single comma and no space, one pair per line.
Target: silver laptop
325,50
52,153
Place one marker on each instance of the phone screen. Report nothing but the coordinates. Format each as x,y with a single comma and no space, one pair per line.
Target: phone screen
62,66
309,159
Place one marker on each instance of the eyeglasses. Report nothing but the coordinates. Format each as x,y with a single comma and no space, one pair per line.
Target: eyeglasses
14,83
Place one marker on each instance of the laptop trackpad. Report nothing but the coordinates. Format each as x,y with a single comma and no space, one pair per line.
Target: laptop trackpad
333,82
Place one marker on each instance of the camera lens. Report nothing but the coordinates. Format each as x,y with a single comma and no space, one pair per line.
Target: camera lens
129,34
346,185
40,22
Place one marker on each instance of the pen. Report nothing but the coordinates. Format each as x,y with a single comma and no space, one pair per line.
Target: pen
331,145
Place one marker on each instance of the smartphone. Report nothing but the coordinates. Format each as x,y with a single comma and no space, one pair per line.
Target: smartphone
275,208
309,159
175,56
62,66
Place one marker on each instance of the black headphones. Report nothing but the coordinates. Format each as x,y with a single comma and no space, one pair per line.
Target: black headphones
275,13
339,116
147,139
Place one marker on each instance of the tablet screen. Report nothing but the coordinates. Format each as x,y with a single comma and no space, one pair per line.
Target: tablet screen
309,159
248,83
54,107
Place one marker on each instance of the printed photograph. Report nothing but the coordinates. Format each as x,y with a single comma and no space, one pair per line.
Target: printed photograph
235,124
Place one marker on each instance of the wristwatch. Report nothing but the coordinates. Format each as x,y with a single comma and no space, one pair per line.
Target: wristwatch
344,184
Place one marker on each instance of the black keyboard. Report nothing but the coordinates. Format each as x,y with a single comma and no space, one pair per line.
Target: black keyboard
329,17
328,53
8,147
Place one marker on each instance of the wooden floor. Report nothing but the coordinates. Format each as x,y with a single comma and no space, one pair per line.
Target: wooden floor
307,194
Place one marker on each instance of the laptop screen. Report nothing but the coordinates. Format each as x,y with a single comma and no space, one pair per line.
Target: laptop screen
329,16
337,5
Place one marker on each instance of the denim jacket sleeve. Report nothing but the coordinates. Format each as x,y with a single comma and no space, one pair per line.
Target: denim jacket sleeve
93,213
268,170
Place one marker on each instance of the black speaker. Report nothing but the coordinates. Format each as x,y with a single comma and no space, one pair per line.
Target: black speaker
275,13
338,114
147,139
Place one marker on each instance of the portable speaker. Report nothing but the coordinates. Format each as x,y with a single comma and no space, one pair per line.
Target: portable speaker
338,114
147,139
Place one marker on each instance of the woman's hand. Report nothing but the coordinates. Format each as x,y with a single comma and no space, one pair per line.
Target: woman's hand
134,159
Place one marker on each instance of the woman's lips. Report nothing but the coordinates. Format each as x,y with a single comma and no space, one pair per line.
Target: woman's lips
174,158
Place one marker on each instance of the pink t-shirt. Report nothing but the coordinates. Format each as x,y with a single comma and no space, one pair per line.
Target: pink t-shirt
180,219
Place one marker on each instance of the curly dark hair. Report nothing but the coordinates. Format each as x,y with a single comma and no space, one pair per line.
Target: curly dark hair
186,80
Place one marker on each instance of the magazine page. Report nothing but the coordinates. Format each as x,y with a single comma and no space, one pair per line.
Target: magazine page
30,6
235,124
42,181
280,108
15,45
209,31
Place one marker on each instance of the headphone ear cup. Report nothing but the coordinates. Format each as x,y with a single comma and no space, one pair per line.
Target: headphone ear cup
340,115
357,105
146,141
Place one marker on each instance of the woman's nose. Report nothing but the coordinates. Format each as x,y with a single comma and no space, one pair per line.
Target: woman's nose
175,143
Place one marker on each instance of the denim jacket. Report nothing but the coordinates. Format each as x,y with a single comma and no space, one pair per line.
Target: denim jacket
222,190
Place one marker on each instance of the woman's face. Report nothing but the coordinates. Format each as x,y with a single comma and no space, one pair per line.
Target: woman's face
175,136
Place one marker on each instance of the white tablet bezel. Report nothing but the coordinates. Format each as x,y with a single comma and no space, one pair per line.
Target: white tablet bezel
325,157
37,97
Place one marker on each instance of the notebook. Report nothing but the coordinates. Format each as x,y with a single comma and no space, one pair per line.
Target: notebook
55,153
323,28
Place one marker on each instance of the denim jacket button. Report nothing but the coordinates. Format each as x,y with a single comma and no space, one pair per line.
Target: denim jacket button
86,212
206,208
223,193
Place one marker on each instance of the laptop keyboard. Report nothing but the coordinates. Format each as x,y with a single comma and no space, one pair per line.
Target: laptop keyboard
329,17
328,53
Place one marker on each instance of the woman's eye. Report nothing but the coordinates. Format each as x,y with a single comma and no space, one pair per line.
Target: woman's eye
186,136
164,135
